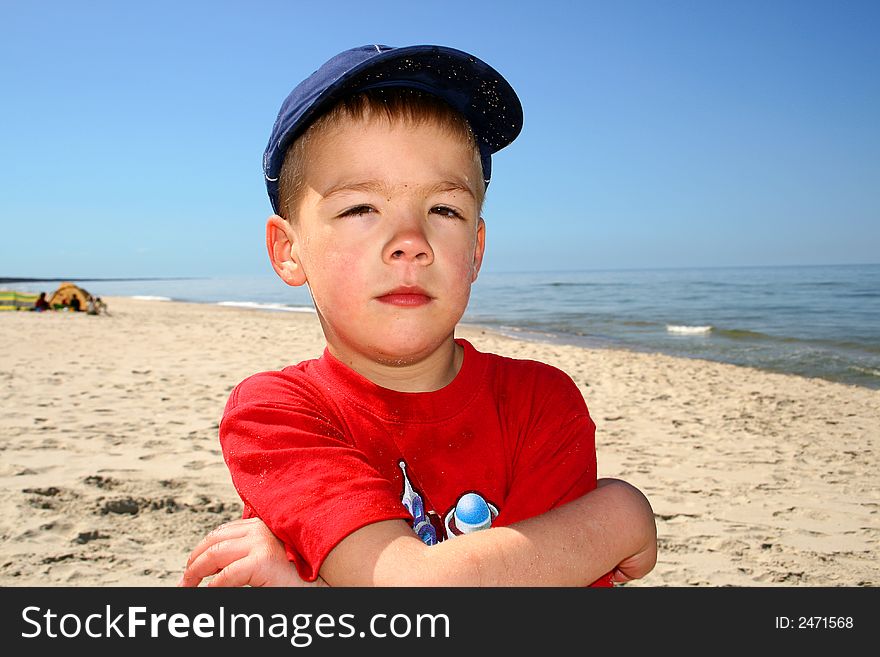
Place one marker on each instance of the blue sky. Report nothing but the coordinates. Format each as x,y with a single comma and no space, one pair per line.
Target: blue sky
656,134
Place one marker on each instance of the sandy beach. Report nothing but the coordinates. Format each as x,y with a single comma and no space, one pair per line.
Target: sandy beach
111,470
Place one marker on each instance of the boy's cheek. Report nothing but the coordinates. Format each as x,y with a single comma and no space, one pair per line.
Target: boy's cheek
468,267
321,254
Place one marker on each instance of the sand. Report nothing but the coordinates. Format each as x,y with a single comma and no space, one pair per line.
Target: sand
111,472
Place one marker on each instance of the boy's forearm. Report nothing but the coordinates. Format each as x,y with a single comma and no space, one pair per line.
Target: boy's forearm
573,545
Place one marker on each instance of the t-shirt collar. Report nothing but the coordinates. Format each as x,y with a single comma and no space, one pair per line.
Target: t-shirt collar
391,405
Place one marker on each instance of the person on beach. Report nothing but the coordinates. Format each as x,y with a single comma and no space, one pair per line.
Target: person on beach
41,304
403,455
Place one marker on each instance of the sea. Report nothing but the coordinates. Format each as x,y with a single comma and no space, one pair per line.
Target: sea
812,321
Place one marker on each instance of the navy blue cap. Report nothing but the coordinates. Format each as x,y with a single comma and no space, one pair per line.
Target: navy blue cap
467,84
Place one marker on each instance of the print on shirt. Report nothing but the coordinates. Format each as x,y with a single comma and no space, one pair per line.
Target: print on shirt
413,502
471,513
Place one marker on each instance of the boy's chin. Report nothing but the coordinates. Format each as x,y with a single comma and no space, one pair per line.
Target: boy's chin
402,351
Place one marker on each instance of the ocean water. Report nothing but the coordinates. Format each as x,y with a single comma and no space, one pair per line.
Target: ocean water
818,321
811,321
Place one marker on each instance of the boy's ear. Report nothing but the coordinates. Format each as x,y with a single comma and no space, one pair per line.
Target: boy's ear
479,249
281,243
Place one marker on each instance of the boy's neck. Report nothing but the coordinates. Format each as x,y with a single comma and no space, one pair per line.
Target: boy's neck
435,371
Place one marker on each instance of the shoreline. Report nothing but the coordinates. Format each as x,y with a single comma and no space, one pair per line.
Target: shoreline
112,472
847,354
525,334
528,335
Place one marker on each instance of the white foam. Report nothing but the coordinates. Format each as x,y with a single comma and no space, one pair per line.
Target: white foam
688,330
267,306
504,329
150,298
866,370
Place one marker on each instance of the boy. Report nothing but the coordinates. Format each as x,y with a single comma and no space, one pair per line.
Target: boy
404,456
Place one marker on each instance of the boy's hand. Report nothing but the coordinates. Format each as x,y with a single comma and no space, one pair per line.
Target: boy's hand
636,566
242,553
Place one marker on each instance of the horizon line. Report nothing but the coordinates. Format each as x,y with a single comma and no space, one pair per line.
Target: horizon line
81,279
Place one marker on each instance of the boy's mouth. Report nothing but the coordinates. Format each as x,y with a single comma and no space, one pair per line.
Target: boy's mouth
405,296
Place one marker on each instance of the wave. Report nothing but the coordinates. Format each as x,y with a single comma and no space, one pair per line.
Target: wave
822,284
861,295
267,306
744,334
581,284
147,297
507,329
688,330
821,343
865,370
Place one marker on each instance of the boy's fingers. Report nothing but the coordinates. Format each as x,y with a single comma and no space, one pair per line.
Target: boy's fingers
227,531
213,559
188,581
238,573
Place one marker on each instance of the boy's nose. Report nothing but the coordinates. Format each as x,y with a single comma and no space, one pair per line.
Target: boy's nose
410,244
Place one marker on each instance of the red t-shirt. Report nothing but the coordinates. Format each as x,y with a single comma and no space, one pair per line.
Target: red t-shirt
317,451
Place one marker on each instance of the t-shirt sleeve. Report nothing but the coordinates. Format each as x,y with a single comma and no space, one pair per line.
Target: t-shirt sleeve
295,469
555,454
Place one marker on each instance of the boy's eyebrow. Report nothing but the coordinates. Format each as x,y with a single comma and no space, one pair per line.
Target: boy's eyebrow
377,187
373,186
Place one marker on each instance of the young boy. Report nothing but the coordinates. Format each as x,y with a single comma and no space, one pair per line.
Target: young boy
403,456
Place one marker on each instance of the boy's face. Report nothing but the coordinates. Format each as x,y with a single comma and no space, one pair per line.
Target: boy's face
388,237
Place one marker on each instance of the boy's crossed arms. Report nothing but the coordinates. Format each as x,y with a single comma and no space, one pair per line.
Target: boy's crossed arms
572,545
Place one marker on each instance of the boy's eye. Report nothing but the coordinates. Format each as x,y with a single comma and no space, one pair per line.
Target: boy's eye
357,211
446,211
